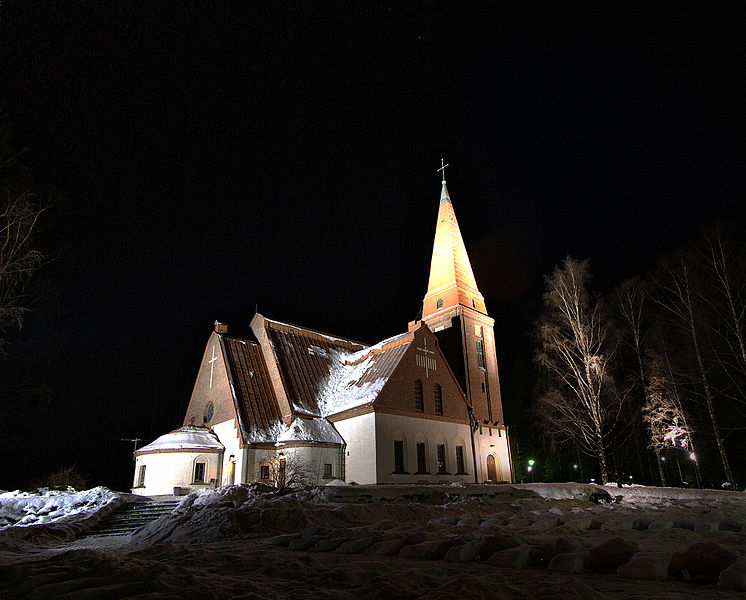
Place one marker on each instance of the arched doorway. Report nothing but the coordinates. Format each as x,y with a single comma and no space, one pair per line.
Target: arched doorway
491,468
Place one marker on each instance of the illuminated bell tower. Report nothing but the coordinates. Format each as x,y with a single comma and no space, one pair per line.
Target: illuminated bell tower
454,309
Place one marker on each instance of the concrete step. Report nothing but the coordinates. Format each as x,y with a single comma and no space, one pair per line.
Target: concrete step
134,515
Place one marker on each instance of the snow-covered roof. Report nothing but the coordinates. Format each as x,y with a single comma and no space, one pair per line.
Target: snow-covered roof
323,375
357,378
311,430
190,437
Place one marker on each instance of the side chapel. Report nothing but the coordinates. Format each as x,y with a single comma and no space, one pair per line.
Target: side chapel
423,406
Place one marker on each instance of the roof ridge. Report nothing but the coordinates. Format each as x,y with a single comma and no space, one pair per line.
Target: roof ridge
314,332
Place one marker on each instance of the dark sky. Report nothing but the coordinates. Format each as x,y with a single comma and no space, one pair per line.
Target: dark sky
281,154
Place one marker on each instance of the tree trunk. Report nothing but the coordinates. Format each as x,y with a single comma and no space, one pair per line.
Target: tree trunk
661,472
711,407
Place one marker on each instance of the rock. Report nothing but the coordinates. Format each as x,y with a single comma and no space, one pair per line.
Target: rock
514,558
701,562
464,553
734,577
431,550
355,546
328,545
568,562
280,540
646,565
545,524
658,525
582,523
489,544
385,547
610,555
564,545
706,527
304,543
617,525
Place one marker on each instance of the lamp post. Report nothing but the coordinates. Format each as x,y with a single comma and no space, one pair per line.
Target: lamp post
531,469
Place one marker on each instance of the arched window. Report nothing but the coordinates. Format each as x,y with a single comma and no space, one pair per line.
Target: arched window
419,403
438,399
400,452
440,303
200,470
422,452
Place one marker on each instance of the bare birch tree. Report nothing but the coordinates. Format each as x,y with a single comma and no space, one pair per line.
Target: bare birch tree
632,297
19,257
575,351
675,284
725,263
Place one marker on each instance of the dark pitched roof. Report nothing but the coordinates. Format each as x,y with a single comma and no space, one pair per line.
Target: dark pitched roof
305,357
256,404
324,374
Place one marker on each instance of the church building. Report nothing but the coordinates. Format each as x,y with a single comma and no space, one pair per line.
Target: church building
295,405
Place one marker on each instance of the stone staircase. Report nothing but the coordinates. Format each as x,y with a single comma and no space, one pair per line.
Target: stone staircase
131,516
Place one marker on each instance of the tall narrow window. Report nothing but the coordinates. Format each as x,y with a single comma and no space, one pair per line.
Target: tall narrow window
419,403
438,399
264,472
199,472
440,303
442,459
480,354
398,456
473,303
460,466
327,470
421,458
141,476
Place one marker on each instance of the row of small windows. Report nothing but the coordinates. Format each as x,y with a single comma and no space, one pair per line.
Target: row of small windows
419,401
399,466
439,304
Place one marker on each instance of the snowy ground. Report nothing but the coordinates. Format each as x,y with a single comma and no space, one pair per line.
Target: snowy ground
522,541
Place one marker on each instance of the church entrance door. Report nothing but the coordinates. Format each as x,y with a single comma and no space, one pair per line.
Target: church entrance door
491,468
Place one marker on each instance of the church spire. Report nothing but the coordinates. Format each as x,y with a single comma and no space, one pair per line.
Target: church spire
451,280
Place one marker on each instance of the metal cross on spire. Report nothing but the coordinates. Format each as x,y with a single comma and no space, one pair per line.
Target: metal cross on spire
442,170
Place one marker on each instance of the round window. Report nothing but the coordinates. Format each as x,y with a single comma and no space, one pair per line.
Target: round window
209,409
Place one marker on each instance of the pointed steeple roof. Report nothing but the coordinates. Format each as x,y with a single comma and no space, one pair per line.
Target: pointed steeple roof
451,276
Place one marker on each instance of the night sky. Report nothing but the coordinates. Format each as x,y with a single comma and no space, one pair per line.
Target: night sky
202,162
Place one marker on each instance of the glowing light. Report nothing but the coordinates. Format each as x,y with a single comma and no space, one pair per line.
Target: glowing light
529,469
692,456
531,462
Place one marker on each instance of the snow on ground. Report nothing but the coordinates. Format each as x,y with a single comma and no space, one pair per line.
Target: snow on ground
537,540
21,509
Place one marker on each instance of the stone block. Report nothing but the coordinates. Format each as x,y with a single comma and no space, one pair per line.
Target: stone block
432,550
610,555
514,558
701,562
646,565
734,577
568,562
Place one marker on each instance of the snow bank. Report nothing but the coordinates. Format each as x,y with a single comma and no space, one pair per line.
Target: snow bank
21,509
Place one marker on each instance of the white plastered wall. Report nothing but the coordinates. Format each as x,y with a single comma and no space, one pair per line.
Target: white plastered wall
166,470
391,427
496,444
305,464
360,455
228,436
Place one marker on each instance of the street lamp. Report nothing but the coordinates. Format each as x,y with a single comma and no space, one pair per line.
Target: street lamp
531,469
